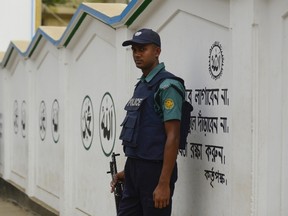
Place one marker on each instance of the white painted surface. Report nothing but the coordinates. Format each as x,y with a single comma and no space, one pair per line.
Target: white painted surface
70,175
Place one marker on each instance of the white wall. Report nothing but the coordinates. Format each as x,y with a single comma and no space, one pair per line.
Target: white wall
49,141
1,126
235,163
20,128
92,76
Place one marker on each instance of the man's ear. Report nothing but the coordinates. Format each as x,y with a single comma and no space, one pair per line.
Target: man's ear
158,51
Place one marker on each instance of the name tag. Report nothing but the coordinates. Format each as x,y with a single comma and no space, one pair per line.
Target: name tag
134,103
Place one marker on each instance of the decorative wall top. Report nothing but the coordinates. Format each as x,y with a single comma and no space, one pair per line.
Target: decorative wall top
114,15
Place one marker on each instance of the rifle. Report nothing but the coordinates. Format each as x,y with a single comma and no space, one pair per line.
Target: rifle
119,185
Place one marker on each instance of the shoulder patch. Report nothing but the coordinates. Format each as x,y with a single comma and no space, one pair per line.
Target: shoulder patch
169,103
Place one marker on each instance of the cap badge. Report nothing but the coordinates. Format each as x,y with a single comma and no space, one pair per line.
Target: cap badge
138,33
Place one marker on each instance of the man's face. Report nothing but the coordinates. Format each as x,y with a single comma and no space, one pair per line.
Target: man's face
146,56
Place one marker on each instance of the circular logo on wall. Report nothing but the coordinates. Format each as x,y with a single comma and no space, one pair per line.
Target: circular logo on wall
107,124
87,122
216,60
15,117
42,120
55,121
23,119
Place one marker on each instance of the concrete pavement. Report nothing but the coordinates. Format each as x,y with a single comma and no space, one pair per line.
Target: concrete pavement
10,208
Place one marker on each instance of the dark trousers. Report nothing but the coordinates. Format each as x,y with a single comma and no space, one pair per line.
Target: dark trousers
141,179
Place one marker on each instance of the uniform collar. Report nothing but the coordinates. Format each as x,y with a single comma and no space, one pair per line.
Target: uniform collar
153,73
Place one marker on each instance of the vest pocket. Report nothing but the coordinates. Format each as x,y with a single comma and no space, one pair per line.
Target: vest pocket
128,130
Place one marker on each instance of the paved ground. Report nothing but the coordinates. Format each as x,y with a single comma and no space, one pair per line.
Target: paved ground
10,208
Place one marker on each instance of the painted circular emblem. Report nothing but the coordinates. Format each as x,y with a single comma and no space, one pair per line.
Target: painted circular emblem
23,119
42,120
15,117
169,103
55,121
87,122
216,60
107,124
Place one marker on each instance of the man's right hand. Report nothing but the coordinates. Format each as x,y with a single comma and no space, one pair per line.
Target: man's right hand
119,177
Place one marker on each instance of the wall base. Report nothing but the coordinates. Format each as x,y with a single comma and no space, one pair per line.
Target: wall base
9,191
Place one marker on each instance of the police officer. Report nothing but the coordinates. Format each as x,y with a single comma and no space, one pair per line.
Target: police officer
150,133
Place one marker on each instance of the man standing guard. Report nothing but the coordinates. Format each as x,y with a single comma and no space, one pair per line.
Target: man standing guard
150,132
